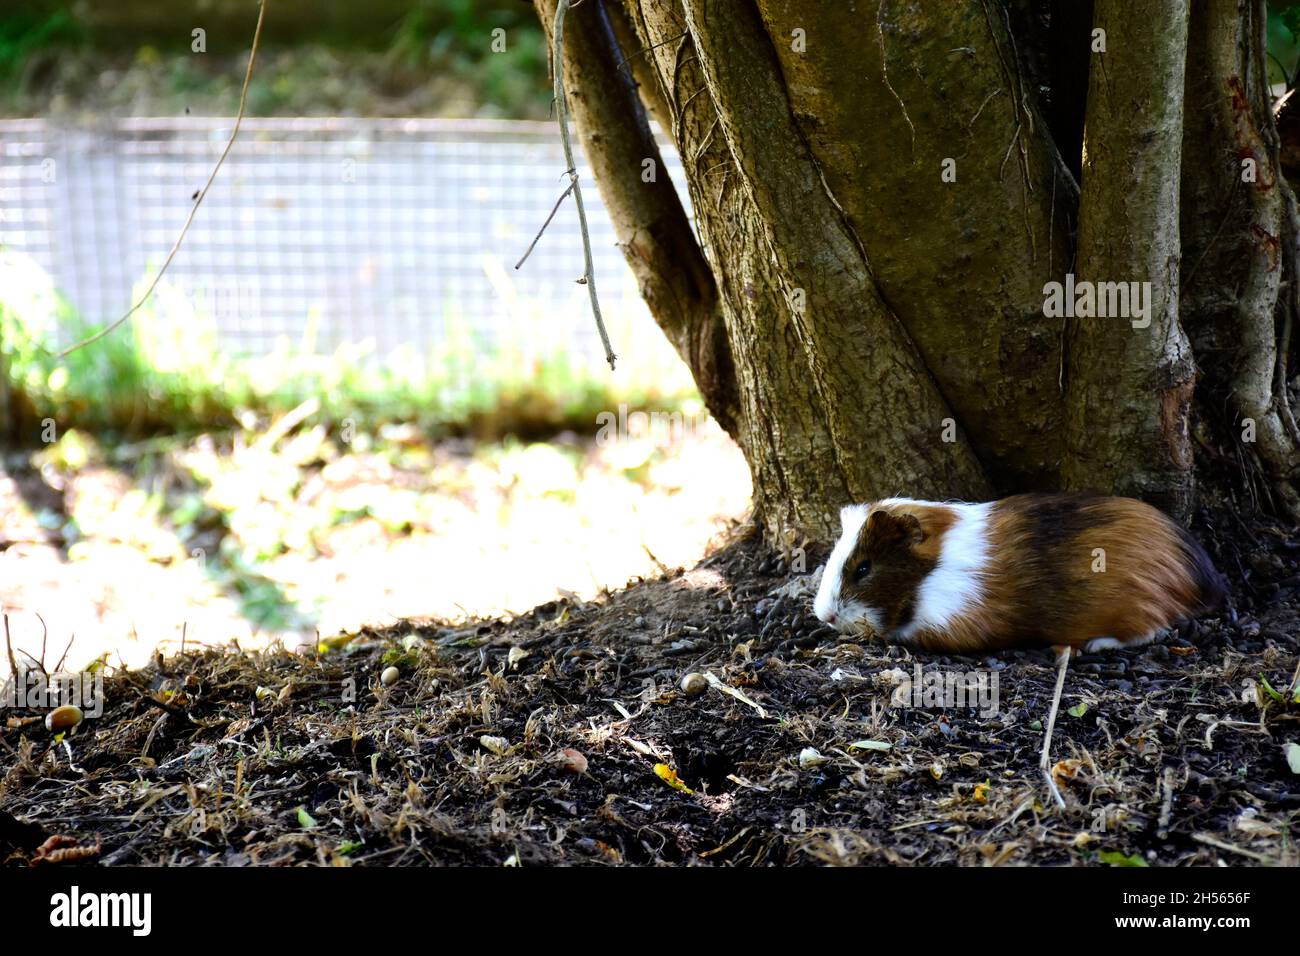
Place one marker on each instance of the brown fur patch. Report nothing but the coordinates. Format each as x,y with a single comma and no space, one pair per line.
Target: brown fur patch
1065,569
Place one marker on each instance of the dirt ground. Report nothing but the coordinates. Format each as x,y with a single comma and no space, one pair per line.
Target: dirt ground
564,737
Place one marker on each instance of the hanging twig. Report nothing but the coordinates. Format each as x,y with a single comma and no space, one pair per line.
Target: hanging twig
239,119
562,115
554,209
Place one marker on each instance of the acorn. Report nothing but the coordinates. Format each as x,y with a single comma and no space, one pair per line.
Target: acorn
63,718
390,676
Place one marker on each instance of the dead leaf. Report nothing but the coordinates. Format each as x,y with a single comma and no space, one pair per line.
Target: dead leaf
1066,770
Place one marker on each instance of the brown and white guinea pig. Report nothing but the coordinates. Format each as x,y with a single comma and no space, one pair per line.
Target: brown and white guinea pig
1062,569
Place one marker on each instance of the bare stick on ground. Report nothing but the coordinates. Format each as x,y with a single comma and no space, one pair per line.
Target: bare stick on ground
1063,656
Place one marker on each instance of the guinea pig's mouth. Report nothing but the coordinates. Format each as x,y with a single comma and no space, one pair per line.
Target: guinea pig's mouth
860,627
853,620
864,631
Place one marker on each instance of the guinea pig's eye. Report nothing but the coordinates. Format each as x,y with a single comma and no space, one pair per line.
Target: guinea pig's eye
862,570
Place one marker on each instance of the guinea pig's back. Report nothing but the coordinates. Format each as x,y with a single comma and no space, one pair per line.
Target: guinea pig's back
1073,568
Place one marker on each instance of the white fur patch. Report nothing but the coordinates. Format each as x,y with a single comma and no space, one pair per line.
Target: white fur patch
1110,643
1102,644
956,585
828,603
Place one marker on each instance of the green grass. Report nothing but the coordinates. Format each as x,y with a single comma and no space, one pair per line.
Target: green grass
166,372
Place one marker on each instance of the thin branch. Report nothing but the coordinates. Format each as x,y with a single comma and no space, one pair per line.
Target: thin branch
64,657
9,646
554,209
623,64
239,119
562,115
45,633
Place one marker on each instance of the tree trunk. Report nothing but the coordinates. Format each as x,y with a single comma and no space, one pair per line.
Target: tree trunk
1239,232
1131,374
882,203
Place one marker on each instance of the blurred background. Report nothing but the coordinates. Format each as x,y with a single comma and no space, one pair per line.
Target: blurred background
342,405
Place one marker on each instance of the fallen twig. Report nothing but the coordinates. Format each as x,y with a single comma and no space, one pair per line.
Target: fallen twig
1211,840
726,688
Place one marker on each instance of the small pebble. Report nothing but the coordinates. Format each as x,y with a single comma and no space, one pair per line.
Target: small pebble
516,655
891,677
63,718
694,684
390,676
810,757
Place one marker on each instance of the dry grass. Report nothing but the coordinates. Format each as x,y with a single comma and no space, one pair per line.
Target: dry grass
221,758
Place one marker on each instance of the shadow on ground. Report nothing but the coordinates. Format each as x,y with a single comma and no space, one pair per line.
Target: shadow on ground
563,737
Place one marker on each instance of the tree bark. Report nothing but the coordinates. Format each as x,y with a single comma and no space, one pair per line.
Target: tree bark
962,264
1236,235
881,202
1130,377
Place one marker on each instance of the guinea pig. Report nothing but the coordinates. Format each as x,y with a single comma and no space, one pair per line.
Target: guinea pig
1059,569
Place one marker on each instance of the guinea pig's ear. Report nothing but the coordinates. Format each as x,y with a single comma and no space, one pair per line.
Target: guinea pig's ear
913,533
884,529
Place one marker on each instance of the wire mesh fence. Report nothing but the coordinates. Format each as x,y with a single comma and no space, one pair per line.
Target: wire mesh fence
322,231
